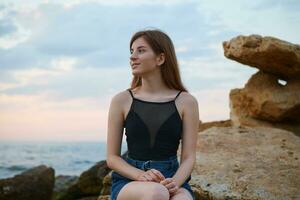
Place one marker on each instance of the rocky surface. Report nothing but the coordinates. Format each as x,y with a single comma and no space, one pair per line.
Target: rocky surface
206,125
88,185
89,198
104,197
106,184
33,184
64,186
247,163
265,102
268,54
264,98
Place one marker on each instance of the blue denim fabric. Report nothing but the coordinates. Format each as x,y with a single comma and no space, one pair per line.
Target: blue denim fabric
167,167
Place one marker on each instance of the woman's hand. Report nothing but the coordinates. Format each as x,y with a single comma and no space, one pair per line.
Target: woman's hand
151,175
171,185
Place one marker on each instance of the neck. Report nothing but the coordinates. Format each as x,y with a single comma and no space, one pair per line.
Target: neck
153,83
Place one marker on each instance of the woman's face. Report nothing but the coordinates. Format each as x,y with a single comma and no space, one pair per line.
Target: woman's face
143,59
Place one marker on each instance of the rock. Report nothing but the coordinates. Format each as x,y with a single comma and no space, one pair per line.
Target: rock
64,186
207,125
247,163
89,184
268,54
90,181
106,184
34,184
89,198
265,102
107,180
105,197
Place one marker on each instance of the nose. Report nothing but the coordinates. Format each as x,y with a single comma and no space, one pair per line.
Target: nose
133,56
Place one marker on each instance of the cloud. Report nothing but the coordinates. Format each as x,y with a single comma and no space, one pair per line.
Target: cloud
61,61
39,117
245,17
6,27
38,76
97,34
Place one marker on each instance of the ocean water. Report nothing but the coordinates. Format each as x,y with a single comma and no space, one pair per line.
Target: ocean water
67,158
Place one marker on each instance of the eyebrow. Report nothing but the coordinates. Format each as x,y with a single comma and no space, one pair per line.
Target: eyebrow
139,47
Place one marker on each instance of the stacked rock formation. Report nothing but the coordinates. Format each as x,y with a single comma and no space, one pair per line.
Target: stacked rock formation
35,183
265,101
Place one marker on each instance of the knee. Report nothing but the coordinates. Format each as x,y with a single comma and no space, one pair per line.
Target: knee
157,192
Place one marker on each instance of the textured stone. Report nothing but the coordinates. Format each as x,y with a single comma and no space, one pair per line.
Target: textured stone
89,198
206,125
90,181
65,187
265,102
106,184
34,184
104,197
88,184
268,54
247,163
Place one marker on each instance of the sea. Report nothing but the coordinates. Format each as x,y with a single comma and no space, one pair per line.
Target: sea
67,158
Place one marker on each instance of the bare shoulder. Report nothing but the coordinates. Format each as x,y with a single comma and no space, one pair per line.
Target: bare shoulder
186,103
187,99
121,102
121,97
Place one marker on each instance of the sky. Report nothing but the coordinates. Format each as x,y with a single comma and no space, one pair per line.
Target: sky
61,62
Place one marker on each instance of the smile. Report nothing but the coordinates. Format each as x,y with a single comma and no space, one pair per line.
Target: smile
135,65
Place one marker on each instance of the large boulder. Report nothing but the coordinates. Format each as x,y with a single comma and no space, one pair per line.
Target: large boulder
247,163
90,181
65,187
265,102
88,185
268,54
34,184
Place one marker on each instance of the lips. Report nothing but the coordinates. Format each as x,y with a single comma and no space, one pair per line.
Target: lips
134,65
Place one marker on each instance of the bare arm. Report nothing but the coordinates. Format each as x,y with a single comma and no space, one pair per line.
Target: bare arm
114,140
189,140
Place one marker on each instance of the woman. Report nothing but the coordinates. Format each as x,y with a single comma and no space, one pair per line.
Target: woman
156,112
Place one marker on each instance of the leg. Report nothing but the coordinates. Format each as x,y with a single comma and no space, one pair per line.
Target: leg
138,190
182,194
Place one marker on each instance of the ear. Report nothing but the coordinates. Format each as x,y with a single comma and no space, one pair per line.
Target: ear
160,59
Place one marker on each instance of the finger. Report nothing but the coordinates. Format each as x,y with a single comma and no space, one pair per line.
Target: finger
166,181
154,175
173,190
143,178
170,185
159,174
148,177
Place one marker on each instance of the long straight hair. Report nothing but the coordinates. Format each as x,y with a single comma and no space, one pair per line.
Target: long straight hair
160,42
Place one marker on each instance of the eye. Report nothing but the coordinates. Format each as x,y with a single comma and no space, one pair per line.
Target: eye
141,50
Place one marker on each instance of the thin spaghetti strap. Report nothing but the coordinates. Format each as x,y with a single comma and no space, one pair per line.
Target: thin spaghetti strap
177,95
130,93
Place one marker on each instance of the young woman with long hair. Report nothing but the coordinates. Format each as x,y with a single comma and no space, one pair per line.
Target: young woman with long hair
157,113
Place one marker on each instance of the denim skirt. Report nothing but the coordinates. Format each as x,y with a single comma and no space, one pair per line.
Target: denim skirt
167,167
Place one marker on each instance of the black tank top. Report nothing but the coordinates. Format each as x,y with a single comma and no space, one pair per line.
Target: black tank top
153,129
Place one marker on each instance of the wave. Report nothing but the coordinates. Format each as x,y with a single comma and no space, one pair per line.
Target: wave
16,168
83,162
